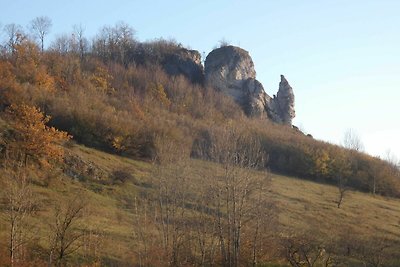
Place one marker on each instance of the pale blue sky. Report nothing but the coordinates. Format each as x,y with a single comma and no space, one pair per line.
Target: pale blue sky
341,57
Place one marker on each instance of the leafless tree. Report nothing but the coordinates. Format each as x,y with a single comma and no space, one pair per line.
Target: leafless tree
114,42
305,251
204,224
351,140
371,250
261,223
62,44
341,169
15,35
40,27
240,156
81,41
142,224
64,229
172,183
342,187
19,206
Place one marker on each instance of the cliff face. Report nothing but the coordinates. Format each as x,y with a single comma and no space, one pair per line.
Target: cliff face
185,62
231,70
173,58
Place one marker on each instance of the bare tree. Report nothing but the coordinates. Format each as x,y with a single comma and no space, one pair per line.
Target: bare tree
392,159
64,230
19,206
172,180
15,35
370,249
81,41
62,44
239,155
40,27
204,224
305,251
341,170
142,221
351,140
342,187
114,43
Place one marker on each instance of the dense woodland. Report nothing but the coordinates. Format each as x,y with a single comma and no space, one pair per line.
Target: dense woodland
112,94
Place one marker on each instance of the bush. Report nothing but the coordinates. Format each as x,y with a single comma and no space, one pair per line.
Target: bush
122,176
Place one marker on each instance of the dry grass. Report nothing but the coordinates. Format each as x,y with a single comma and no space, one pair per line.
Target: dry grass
304,206
309,205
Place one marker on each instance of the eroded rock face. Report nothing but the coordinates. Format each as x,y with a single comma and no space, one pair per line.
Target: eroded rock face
285,99
185,62
227,69
281,108
231,70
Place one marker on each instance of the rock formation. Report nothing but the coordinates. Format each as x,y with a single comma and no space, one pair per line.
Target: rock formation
281,108
173,58
231,70
185,62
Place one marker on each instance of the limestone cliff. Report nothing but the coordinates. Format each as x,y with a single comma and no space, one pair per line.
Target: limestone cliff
184,62
231,70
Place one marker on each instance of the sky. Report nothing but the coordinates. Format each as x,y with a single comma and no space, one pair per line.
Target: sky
341,57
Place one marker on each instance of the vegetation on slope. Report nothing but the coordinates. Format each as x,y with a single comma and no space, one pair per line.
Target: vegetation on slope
204,196
120,224
121,106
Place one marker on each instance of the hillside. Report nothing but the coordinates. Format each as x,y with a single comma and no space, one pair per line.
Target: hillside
133,153
112,226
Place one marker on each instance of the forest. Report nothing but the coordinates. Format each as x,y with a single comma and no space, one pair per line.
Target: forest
108,160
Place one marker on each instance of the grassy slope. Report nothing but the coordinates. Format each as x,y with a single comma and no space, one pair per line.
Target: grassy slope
302,205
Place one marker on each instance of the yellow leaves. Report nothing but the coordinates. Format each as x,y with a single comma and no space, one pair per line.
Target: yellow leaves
118,143
101,80
157,93
32,137
322,162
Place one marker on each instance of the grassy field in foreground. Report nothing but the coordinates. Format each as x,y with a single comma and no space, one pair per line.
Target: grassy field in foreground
303,206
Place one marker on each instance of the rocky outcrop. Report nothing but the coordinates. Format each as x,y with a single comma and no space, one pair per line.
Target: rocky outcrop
184,62
280,108
285,100
230,70
173,58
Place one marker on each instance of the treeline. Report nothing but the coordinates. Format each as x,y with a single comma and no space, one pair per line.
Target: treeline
114,94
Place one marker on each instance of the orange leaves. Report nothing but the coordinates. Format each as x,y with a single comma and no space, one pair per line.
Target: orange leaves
32,138
9,86
43,80
26,60
7,77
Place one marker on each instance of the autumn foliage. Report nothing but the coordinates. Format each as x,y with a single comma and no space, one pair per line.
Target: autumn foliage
116,96
30,137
